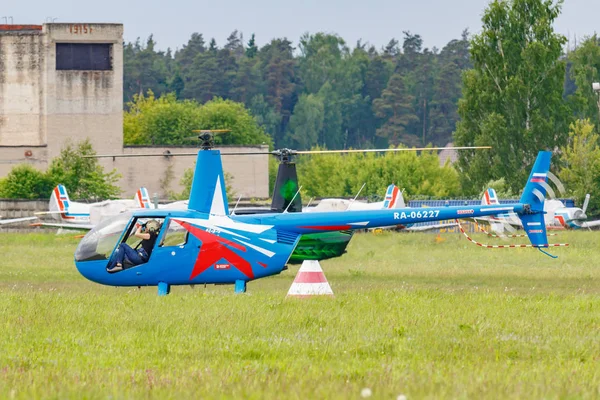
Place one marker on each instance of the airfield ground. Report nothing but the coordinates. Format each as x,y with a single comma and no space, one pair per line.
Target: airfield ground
410,317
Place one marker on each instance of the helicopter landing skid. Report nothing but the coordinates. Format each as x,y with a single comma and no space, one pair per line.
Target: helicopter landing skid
240,286
163,288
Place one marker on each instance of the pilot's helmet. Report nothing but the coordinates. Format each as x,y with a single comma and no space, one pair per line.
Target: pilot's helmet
152,225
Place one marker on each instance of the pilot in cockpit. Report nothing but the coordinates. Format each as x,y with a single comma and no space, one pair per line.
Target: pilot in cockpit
148,232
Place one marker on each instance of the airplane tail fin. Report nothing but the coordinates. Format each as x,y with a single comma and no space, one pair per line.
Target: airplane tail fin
142,198
489,197
533,197
59,201
393,198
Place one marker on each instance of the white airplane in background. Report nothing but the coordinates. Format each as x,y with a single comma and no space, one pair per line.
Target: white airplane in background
393,199
557,215
75,215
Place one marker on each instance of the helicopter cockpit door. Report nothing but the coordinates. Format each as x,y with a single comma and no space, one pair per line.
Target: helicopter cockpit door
134,252
174,249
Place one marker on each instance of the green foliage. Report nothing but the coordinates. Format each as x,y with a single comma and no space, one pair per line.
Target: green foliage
271,81
512,99
265,115
187,179
162,120
273,167
331,94
585,69
307,122
168,121
25,182
338,175
84,177
503,191
227,114
144,69
581,164
395,109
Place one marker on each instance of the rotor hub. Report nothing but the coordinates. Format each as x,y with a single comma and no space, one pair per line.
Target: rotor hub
207,140
284,155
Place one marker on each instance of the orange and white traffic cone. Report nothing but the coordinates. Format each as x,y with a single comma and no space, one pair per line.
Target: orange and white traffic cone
310,281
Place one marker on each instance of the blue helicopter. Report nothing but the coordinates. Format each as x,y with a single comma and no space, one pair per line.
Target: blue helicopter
206,245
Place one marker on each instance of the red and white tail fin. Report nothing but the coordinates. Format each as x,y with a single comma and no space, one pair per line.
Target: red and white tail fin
59,202
490,197
393,198
142,198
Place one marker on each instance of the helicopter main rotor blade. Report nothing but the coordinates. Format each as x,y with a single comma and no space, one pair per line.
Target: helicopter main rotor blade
141,155
294,152
387,150
211,130
173,154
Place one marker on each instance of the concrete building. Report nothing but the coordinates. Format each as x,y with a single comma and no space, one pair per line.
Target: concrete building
63,81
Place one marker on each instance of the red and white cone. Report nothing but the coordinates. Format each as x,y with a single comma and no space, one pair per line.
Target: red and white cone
310,281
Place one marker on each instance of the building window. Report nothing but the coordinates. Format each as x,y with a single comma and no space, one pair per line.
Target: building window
84,56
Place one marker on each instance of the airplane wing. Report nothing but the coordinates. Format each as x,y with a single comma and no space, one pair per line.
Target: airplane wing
591,224
81,227
16,220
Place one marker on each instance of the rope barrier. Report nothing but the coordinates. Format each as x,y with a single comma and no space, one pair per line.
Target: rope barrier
504,246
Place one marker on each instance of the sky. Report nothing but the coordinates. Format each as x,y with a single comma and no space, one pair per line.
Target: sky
374,21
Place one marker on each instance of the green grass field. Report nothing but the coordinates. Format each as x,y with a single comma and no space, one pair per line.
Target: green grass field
410,317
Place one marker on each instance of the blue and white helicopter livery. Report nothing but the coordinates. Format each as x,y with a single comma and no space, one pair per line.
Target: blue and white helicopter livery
206,245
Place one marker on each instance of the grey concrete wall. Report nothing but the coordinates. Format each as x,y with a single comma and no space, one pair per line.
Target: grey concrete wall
84,104
22,97
163,174
11,156
21,208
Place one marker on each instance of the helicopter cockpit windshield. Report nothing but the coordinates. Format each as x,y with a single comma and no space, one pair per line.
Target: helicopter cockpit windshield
100,242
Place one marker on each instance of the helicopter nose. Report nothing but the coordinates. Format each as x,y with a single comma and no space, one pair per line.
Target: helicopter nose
93,270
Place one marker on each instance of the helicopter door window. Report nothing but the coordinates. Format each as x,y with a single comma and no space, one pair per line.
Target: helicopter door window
137,245
174,235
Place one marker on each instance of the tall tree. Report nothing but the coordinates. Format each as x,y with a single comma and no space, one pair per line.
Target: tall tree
513,96
320,60
581,164
235,44
359,122
247,81
265,115
395,109
331,136
306,123
278,69
252,49
202,81
185,57
144,69
585,70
